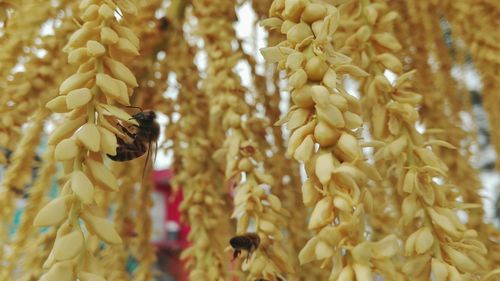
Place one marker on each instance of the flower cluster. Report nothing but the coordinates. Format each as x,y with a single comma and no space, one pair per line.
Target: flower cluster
89,97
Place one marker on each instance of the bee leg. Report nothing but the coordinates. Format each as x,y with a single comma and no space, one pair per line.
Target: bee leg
236,254
249,254
133,126
125,130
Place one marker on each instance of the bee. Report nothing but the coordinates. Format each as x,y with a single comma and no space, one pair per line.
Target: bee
248,242
143,135
163,24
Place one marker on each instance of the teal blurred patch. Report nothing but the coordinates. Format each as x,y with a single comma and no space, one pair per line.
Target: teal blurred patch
15,222
132,264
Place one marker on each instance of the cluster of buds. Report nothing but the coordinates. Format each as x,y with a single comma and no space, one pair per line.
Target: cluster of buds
22,102
86,136
240,154
27,90
202,207
21,29
254,203
441,92
437,243
475,22
325,122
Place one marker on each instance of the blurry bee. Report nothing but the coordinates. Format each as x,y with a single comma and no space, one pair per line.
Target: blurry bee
163,24
142,137
248,242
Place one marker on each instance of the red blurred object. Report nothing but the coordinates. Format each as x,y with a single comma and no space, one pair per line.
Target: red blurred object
168,249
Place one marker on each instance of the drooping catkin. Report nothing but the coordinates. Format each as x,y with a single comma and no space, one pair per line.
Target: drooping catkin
354,33
476,34
275,162
22,28
286,171
32,88
278,167
89,96
202,207
239,154
114,257
143,227
18,174
475,23
440,94
287,175
34,202
324,120
272,98
436,242
146,26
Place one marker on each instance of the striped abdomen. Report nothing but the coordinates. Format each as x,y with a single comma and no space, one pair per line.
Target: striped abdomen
128,151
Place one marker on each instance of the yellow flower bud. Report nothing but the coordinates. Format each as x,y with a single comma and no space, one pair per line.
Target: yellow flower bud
95,49
322,213
316,68
298,33
313,12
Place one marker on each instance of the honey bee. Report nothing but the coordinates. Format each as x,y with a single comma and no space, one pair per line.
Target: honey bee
248,242
142,137
163,24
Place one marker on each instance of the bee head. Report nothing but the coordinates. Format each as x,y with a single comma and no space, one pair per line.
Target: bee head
147,116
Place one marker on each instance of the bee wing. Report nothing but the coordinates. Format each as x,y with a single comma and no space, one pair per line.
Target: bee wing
156,150
147,160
